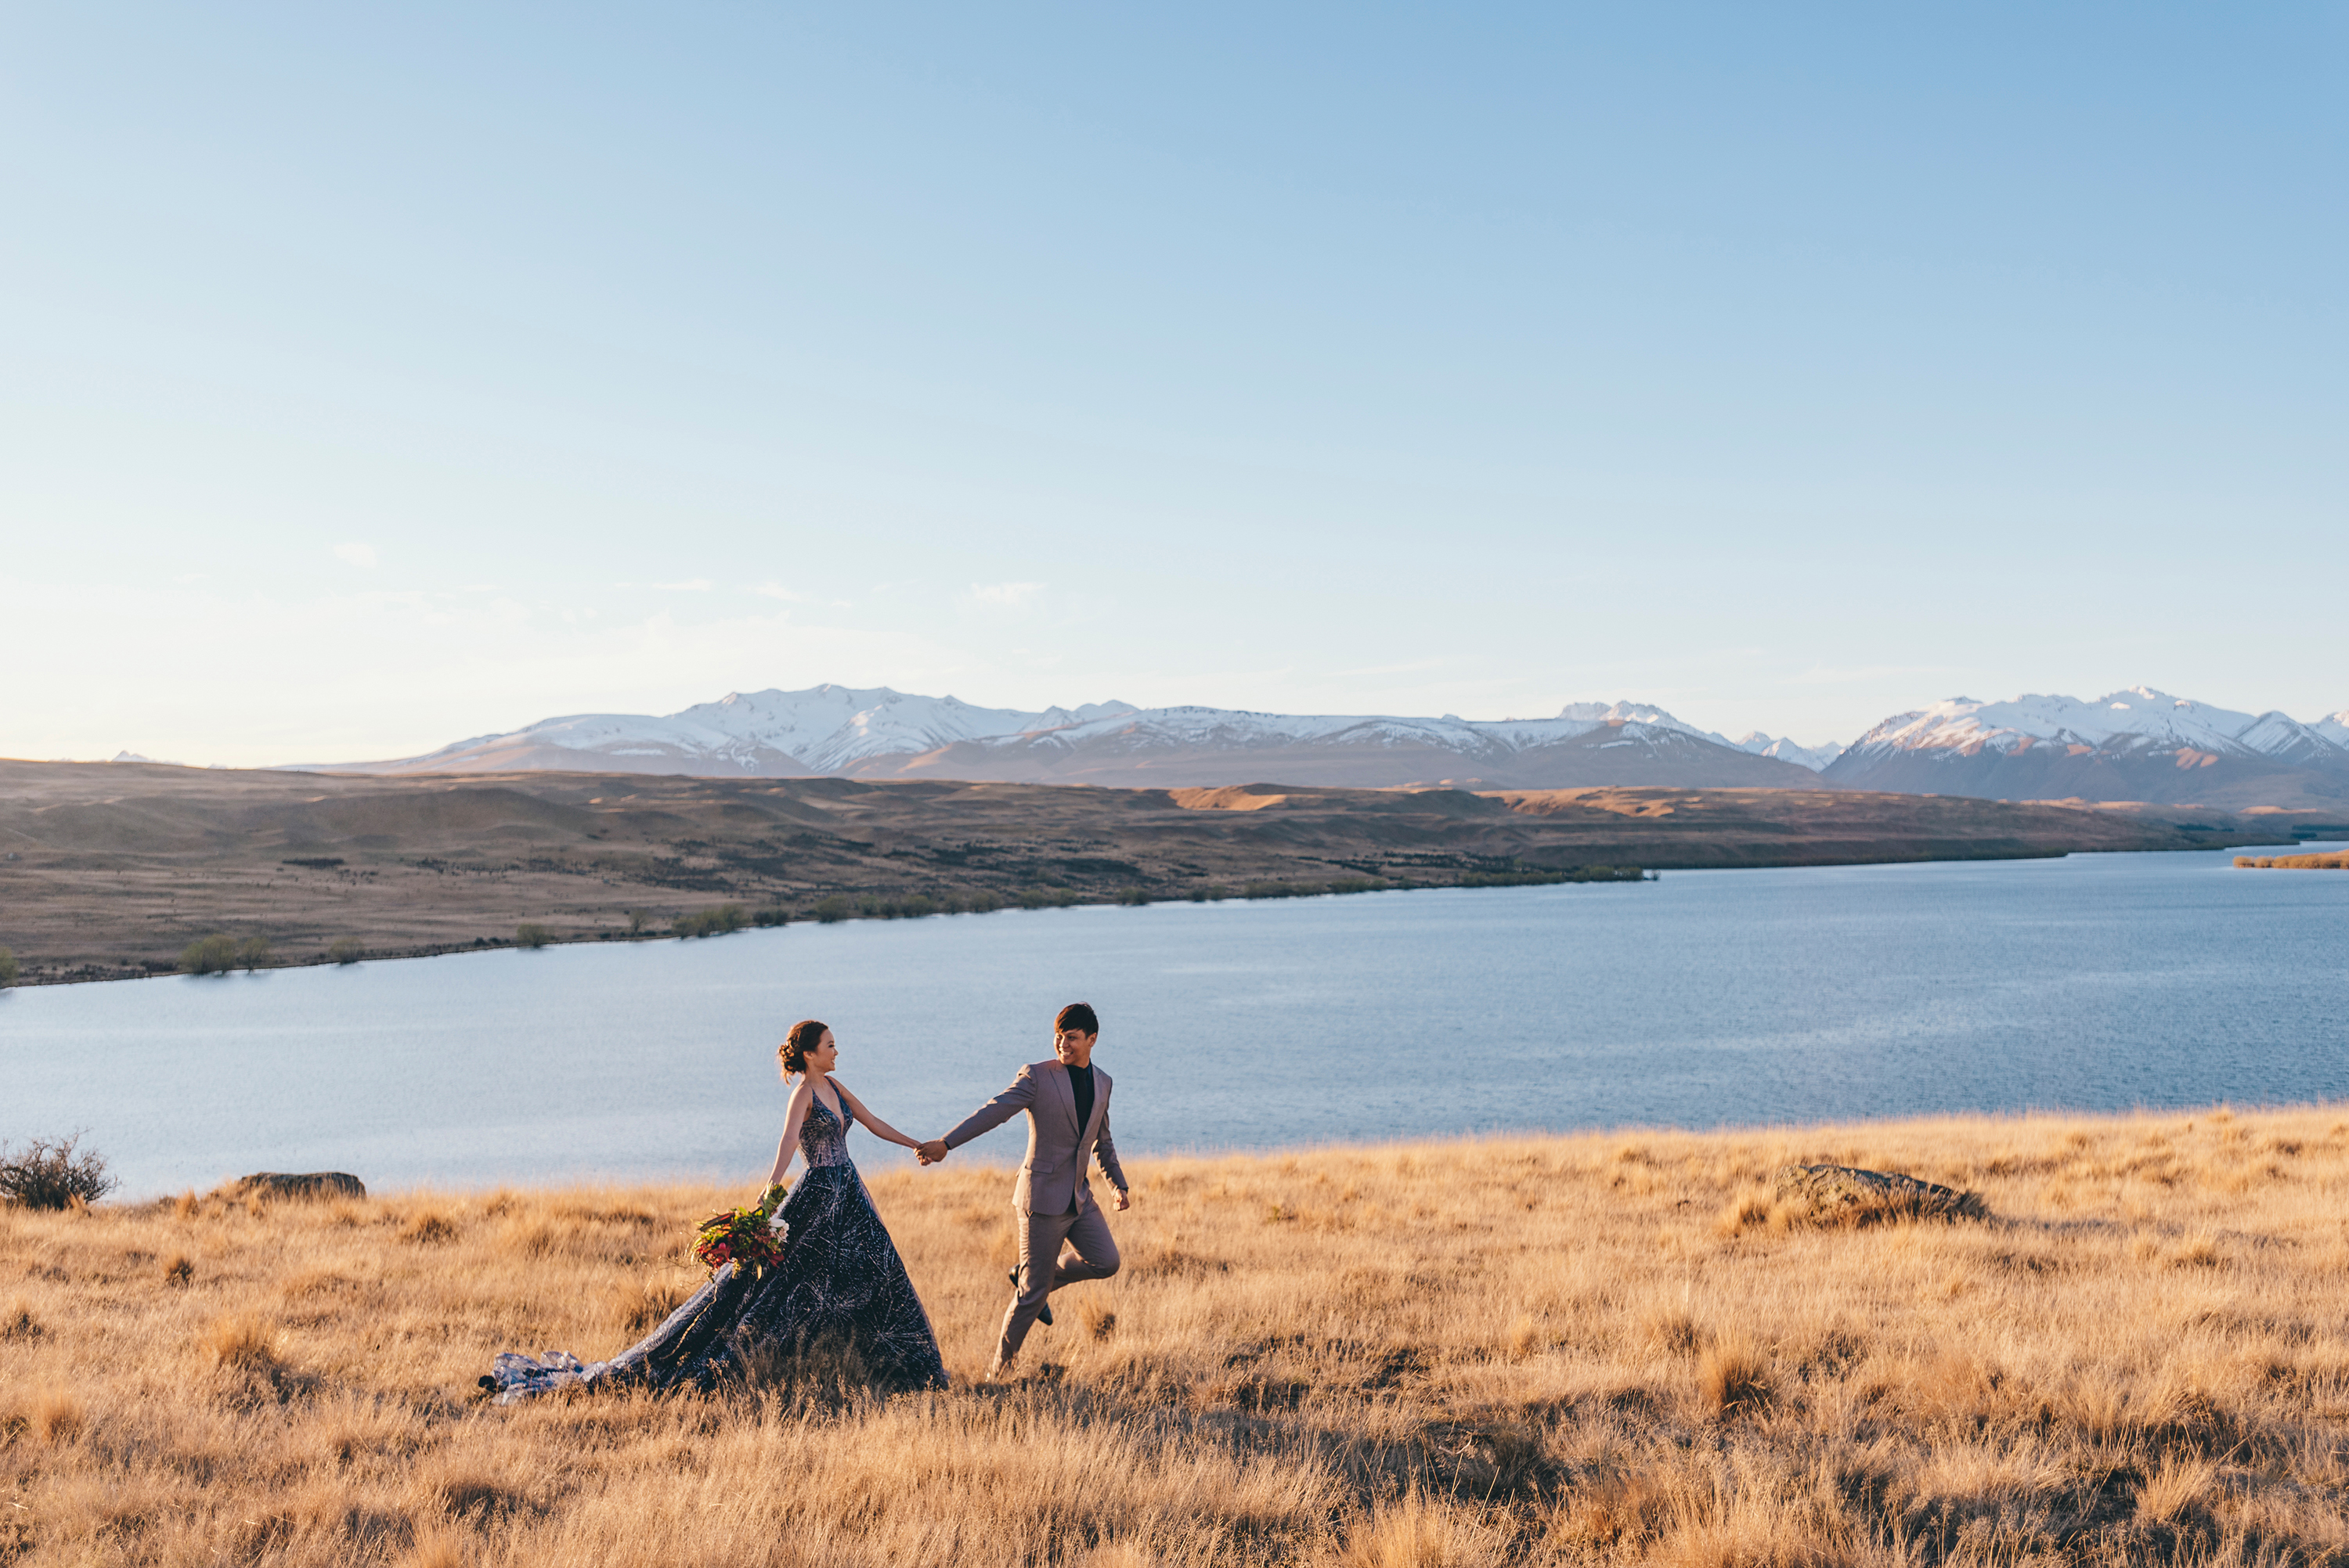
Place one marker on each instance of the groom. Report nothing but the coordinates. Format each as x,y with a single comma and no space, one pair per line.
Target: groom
1067,1102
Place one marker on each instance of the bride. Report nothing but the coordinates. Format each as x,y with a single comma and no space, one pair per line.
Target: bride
839,1277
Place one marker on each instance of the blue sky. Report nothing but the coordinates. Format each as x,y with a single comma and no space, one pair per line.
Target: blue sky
373,378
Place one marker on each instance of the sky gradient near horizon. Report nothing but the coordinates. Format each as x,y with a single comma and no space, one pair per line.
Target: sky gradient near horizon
375,376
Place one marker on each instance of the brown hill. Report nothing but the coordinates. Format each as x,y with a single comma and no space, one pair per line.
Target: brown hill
110,869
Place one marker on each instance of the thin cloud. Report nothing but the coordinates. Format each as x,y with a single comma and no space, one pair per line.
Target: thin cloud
1006,595
356,554
777,591
691,585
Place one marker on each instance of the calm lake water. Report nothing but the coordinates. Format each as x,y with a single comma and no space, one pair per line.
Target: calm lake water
1707,998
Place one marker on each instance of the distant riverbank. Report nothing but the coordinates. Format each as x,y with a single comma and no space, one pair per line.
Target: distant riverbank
2294,863
114,871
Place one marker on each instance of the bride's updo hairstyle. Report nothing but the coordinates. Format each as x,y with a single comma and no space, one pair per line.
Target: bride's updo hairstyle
805,1036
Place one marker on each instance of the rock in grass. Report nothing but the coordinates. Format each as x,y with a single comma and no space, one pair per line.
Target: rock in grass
276,1187
1843,1194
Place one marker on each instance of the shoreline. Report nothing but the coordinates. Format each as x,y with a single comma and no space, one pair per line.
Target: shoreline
118,870
750,920
1004,1162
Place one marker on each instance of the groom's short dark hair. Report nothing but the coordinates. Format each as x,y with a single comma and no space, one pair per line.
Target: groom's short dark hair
1077,1017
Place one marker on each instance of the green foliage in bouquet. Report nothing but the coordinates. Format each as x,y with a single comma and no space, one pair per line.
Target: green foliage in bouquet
743,1236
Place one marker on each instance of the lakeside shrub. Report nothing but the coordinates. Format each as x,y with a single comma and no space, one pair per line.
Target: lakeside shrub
1551,879
910,906
773,915
1308,889
1047,897
253,953
53,1173
714,922
7,969
1133,895
344,950
530,933
213,955
2334,863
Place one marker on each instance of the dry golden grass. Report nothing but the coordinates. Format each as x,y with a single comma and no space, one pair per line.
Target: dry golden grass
2334,863
1593,1349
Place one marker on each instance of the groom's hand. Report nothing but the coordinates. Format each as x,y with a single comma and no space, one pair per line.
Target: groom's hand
933,1151
1123,1203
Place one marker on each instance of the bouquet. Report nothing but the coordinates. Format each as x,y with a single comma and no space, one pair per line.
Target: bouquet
743,1236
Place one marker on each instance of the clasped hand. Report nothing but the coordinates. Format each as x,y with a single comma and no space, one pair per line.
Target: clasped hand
933,1151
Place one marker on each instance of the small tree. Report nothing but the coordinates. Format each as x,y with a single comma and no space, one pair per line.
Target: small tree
346,950
637,920
213,955
530,933
253,953
7,969
711,922
50,1174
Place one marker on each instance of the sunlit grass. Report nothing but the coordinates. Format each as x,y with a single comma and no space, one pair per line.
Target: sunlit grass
1592,1349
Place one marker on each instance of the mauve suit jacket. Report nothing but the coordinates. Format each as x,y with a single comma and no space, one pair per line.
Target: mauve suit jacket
1052,1177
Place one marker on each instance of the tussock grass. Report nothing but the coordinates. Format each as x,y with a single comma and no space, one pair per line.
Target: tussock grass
1573,1350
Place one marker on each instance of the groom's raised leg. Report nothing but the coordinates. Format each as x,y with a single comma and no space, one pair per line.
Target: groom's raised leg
1092,1251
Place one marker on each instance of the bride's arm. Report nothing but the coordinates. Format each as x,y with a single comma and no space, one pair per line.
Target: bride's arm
789,1148
880,1129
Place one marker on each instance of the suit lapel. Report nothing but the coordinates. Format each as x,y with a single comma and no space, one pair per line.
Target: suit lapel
1067,1099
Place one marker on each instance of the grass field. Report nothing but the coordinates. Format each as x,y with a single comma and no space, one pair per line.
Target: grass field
1590,1350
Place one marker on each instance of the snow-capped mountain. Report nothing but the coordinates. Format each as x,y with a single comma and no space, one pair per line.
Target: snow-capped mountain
1814,757
2138,744
769,734
880,734
2334,727
1585,744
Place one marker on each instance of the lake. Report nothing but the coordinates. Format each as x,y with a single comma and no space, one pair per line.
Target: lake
1708,999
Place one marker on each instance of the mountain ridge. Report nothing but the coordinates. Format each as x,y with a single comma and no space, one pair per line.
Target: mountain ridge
2139,743
882,733
2136,744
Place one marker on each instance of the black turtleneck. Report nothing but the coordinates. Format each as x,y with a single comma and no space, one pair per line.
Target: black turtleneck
1081,1084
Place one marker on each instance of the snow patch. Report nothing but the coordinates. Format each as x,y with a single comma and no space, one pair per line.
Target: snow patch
1785,750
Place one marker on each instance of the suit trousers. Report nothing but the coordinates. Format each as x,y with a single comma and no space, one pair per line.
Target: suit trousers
1093,1255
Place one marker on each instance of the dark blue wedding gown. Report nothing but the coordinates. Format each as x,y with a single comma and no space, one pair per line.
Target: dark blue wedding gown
840,1280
